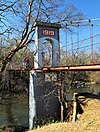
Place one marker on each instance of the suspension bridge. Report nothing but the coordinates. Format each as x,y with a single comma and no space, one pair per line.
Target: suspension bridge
77,49
72,53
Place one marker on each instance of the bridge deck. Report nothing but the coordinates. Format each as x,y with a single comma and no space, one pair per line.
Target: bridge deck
73,68
95,67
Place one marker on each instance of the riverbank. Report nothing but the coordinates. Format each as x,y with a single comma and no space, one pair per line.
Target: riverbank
89,121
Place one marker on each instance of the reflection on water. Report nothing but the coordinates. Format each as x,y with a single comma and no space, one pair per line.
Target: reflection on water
14,110
94,89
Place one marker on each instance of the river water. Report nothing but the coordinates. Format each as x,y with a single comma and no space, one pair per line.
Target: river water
15,109
94,89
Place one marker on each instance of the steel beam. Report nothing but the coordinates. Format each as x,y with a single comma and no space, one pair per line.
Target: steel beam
65,68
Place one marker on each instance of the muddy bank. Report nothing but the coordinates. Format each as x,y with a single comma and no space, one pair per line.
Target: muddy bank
88,121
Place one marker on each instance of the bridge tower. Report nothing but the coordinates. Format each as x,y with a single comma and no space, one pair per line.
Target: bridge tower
47,53
47,45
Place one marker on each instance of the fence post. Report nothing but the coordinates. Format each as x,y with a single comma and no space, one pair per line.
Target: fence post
74,107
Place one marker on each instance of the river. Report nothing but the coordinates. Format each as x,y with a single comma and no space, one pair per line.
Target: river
15,109
94,89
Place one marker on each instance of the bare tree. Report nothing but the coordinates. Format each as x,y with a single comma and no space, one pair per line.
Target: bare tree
26,13
17,19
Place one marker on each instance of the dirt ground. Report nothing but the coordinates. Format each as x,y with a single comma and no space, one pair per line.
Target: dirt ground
89,121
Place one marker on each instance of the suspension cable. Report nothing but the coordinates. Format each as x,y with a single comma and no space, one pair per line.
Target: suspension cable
86,20
94,36
72,45
91,44
66,47
77,42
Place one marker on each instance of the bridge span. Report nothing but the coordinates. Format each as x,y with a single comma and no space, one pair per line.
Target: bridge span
72,68
95,67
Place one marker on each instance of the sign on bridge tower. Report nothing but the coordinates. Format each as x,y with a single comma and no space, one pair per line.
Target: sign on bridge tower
47,45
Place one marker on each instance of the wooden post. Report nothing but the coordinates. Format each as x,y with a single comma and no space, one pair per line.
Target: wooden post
62,78
61,96
61,91
74,107
62,113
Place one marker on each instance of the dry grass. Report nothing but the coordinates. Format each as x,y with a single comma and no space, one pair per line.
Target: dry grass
89,121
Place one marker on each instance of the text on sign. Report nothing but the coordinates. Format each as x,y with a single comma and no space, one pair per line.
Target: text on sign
48,32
